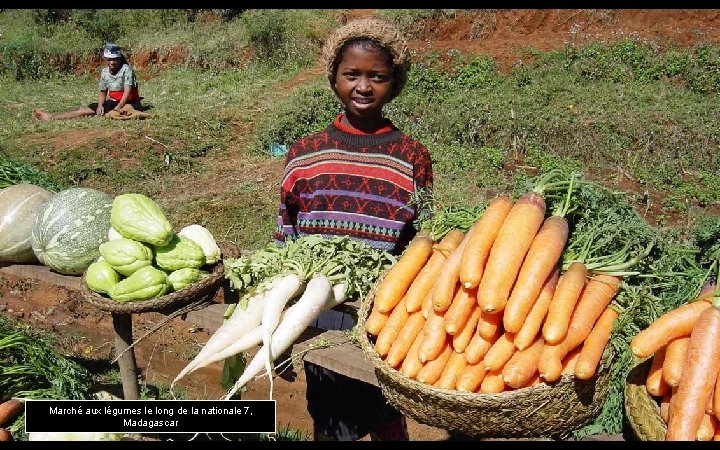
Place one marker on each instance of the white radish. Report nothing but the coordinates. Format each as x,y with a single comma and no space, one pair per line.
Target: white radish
254,336
288,287
239,323
307,308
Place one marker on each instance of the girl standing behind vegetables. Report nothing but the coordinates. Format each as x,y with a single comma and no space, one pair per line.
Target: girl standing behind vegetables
356,178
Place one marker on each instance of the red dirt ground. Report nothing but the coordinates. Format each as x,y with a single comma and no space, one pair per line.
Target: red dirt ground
503,34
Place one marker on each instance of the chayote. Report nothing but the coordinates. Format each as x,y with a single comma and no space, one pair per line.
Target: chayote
179,253
147,282
126,255
203,237
101,277
138,217
182,278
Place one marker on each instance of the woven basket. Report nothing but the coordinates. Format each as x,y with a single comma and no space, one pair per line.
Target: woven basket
641,410
195,292
541,411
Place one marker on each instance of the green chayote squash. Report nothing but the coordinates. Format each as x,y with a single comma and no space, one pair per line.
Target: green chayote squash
125,255
179,253
147,282
138,217
101,277
182,278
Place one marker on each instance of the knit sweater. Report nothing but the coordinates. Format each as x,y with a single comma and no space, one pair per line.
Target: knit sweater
341,181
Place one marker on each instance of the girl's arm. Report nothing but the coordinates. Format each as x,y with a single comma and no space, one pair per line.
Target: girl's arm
124,98
101,103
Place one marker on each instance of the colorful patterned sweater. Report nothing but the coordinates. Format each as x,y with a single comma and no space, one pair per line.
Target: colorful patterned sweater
341,181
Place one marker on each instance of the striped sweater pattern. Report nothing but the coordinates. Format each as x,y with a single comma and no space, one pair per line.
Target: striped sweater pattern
341,182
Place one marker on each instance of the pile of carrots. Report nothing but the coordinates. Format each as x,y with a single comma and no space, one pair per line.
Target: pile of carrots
684,344
490,310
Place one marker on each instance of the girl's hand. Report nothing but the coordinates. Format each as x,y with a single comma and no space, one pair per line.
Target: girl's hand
100,110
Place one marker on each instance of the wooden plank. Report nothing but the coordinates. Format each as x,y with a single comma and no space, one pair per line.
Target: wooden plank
42,273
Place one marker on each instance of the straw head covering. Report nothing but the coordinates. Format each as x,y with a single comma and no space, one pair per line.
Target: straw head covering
111,51
384,33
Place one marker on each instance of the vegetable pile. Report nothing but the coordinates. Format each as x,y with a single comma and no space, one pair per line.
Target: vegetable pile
144,258
284,289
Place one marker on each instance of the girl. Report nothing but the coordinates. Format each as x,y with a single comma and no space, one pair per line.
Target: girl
118,87
358,178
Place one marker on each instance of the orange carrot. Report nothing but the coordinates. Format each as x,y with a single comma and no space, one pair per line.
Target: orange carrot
471,377
392,327
508,251
541,259
595,298
489,324
425,280
594,345
433,338
460,310
478,347
479,244
427,304
699,375
376,321
432,370
716,399
665,406
500,352
461,340
706,430
534,320
404,340
567,293
522,366
448,280
675,355
393,286
655,384
568,363
455,364
411,364
674,323
710,407
493,382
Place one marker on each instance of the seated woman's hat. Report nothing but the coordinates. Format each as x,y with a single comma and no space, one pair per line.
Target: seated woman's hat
111,51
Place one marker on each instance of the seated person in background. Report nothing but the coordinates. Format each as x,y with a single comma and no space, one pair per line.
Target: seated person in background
118,87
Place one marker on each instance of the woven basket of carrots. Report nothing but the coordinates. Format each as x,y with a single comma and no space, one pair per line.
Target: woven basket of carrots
488,333
673,395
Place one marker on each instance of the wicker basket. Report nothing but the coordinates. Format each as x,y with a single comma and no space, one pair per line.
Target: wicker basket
641,410
541,411
205,288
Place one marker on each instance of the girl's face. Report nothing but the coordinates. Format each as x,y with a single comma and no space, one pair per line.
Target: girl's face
364,82
113,64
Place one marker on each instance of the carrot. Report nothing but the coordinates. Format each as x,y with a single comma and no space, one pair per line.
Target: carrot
541,259
674,323
470,377
411,364
432,370
594,345
455,364
489,324
568,363
433,338
425,280
508,251
655,384
568,291
500,352
595,298
5,435
376,321
392,328
404,340
478,347
396,282
710,407
427,304
493,382
716,399
9,409
534,320
665,406
706,430
699,375
675,360
447,280
479,244
460,310
522,366
461,340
